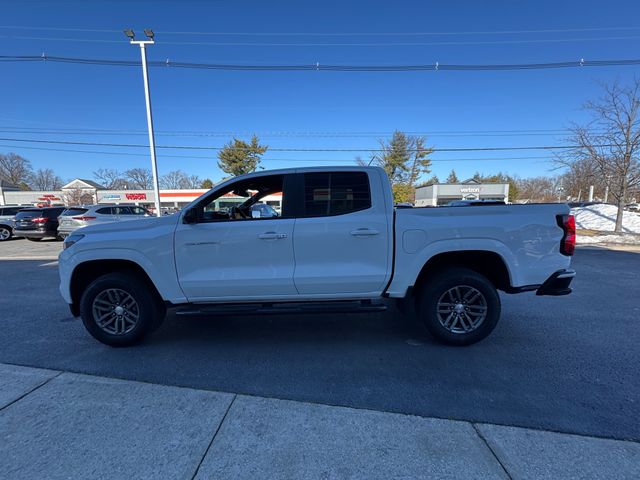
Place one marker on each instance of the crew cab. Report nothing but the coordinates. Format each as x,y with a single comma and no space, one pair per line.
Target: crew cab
338,244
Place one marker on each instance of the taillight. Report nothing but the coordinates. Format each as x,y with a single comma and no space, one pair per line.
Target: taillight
39,220
84,219
568,242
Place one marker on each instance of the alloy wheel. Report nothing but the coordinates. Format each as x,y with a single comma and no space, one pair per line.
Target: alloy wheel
462,309
115,311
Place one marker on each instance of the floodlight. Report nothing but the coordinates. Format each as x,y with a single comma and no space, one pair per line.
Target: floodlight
129,33
149,33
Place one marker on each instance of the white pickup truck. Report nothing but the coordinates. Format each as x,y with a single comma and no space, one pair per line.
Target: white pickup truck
338,244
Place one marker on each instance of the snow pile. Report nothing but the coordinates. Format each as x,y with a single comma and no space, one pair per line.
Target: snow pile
602,217
626,238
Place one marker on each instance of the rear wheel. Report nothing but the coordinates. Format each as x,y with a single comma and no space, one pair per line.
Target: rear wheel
459,306
120,309
5,233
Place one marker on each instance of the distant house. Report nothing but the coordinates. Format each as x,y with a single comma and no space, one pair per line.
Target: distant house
81,192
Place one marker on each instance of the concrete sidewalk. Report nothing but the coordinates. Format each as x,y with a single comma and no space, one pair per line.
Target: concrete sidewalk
65,425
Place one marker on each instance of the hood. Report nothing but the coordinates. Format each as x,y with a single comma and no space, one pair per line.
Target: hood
131,225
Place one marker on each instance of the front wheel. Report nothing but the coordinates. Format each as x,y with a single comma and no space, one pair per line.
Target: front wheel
458,306
119,310
5,234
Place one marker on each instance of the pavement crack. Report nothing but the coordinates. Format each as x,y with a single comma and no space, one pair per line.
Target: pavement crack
42,384
495,455
215,434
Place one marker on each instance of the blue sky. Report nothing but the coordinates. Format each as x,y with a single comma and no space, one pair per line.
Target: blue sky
283,108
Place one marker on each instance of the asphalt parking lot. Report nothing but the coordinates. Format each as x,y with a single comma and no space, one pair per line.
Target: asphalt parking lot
566,364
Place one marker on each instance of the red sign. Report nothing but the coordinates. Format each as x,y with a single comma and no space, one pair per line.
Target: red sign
136,196
48,198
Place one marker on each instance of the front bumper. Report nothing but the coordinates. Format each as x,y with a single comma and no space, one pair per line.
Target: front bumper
558,283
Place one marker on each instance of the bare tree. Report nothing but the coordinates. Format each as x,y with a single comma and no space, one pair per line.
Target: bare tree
173,179
77,196
45,179
611,141
15,169
140,178
579,176
191,181
110,178
538,189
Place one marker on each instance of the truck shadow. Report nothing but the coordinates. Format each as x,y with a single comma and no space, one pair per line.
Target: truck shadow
307,329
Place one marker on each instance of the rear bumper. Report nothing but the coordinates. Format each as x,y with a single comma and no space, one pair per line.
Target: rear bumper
65,232
34,233
558,283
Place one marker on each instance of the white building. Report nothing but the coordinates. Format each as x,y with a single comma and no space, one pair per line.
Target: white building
443,193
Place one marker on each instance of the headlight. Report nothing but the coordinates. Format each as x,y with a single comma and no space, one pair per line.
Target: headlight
71,239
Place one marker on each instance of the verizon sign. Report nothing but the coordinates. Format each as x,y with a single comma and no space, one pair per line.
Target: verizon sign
135,196
470,190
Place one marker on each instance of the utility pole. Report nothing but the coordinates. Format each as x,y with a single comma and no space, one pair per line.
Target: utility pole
147,96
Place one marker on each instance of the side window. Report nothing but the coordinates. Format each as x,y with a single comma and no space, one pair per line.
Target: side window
138,211
104,211
335,193
121,210
242,200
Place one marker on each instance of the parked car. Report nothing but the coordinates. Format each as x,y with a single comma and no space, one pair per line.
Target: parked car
338,245
7,222
633,207
74,218
37,223
262,210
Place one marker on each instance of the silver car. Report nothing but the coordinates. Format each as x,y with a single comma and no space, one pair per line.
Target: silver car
74,218
6,221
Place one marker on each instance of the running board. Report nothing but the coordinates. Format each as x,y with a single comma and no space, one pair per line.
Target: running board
350,306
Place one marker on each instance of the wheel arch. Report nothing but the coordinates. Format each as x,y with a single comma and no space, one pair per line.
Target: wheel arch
86,272
485,262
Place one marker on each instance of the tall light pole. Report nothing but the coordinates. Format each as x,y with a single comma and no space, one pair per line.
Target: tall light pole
147,96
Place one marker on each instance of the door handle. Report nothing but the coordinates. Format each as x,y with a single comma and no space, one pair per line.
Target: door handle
364,232
272,236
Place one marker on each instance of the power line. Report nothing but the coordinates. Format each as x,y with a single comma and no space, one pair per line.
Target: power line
322,67
196,157
280,149
330,34
277,134
361,44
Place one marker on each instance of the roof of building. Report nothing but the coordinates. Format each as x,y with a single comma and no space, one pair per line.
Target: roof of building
88,183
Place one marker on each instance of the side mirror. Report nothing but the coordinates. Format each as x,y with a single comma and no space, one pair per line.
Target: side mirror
190,216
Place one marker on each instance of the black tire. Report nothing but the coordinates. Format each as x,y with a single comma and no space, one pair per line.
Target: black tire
5,233
463,311
150,311
32,239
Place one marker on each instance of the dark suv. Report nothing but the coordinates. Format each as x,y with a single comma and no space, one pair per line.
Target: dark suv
37,223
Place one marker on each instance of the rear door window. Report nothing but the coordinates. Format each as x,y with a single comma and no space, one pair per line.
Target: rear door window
138,211
72,212
10,210
121,211
104,211
335,193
